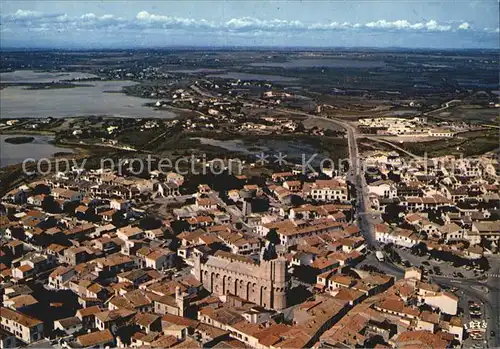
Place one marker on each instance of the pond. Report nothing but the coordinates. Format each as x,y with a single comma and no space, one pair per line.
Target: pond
40,147
293,151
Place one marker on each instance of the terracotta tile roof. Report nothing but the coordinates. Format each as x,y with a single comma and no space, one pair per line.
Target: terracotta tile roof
84,312
112,315
145,319
382,228
347,294
23,300
165,342
95,338
230,344
60,271
19,318
25,268
342,279
211,331
188,344
423,339
179,320
430,317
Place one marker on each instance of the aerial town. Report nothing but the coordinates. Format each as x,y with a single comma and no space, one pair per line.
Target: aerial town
393,253
248,197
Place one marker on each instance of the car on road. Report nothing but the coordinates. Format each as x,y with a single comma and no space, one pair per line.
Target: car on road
475,312
460,275
426,263
476,335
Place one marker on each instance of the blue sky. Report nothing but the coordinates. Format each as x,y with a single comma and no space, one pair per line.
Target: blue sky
323,23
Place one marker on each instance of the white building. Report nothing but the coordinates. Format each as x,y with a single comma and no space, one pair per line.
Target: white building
446,302
326,190
398,237
440,133
383,188
24,327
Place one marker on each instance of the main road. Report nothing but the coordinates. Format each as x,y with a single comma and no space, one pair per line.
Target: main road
467,287
490,299
357,177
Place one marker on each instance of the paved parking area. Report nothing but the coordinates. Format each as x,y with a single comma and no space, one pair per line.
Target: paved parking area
446,268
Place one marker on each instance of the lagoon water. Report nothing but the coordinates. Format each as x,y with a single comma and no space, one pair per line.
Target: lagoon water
31,76
252,77
321,63
11,154
100,98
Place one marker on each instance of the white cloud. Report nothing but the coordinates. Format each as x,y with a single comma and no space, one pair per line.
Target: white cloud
249,23
88,16
403,24
490,30
434,26
400,24
160,21
333,26
26,14
464,26
145,21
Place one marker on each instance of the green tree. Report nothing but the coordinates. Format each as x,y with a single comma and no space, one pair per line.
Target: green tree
273,237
